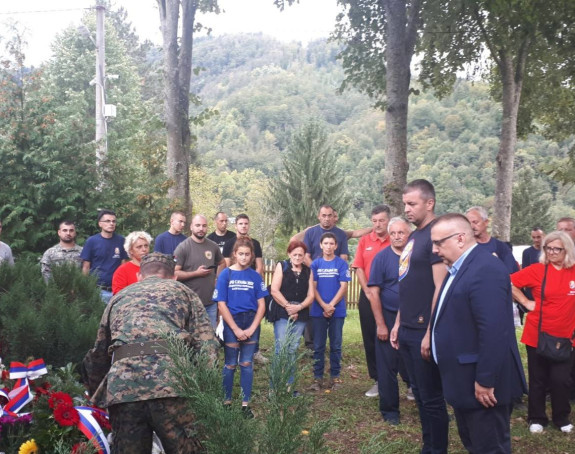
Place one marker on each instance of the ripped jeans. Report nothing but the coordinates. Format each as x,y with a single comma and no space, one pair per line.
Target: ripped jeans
239,352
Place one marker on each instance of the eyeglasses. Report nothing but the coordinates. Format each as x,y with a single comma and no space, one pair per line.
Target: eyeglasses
554,250
108,221
438,243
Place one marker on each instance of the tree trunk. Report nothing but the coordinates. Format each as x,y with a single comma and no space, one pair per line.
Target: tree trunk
401,36
512,81
176,99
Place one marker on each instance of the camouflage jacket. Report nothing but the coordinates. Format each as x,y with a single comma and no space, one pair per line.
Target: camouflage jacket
145,311
57,255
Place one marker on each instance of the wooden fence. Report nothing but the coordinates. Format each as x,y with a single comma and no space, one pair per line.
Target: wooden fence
353,288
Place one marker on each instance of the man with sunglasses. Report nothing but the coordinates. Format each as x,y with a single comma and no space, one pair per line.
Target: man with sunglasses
103,253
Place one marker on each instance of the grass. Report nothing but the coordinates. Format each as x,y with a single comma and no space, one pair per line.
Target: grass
357,424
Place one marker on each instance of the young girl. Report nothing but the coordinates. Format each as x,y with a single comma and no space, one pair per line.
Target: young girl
240,293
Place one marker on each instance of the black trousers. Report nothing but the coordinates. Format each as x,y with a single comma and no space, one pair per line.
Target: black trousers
547,375
369,333
485,430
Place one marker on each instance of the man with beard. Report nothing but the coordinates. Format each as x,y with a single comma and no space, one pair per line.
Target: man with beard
197,260
66,251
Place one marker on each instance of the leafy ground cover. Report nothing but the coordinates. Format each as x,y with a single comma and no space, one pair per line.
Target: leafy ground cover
357,426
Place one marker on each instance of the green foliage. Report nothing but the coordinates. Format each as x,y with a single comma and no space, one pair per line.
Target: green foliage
311,177
56,322
531,204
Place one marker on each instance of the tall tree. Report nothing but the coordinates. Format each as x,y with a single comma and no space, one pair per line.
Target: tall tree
177,76
508,40
380,39
310,178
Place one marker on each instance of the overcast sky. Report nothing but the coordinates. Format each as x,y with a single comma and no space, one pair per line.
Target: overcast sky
306,21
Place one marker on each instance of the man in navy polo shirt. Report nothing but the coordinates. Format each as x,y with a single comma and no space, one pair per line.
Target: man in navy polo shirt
103,253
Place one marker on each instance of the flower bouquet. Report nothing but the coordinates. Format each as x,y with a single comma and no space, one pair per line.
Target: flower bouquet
41,416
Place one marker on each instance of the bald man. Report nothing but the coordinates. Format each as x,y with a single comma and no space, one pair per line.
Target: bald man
473,337
197,260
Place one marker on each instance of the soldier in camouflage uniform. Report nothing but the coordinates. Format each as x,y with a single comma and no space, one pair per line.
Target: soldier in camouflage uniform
66,251
130,352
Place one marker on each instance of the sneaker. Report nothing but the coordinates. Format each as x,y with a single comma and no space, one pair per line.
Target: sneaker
537,428
567,429
247,412
335,383
316,385
409,395
373,391
260,359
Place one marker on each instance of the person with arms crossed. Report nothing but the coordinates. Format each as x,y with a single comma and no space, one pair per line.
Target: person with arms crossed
421,273
368,246
66,251
473,338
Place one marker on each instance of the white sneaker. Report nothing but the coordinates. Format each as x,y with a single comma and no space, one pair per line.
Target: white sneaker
537,428
409,395
373,391
567,429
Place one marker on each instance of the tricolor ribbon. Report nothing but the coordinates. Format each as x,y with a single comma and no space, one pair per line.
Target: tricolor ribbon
20,394
92,430
32,371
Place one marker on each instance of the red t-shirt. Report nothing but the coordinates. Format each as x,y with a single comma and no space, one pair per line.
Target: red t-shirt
558,304
126,274
367,248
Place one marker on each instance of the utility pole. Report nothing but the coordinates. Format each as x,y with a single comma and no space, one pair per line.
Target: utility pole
101,139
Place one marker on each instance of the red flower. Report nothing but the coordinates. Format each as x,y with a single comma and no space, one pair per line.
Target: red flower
59,397
102,420
43,389
66,415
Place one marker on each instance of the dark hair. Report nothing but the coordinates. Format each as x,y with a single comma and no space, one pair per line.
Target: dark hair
425,187
535,228
327,235
66,222
181,213
160,269
243,242
380,209
567,219
103,213
295,244
326,206
242,216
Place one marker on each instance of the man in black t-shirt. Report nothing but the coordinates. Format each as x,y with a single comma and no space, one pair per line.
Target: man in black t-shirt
221,234
420,276
242,231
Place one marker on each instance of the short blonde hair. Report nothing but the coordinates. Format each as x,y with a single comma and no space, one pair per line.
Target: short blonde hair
133,237
567,244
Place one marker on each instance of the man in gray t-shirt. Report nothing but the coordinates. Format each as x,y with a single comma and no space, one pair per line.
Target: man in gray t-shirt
197,260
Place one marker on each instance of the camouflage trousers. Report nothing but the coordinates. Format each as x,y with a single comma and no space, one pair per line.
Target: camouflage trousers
133,424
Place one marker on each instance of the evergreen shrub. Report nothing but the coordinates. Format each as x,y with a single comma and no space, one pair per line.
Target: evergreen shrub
56,321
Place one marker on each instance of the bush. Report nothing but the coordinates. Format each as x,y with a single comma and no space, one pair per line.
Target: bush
55,321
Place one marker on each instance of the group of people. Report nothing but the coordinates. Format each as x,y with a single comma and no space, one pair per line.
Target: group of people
436,308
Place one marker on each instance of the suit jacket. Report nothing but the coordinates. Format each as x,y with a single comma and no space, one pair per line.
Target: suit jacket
474,334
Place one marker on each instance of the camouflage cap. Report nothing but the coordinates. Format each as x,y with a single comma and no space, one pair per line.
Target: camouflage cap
157,257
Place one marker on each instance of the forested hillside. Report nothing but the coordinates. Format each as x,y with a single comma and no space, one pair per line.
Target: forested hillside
263,90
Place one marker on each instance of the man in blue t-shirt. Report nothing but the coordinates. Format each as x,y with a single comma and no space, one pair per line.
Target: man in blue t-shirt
383,294
103,253
421,274
313,234
167,242
331,275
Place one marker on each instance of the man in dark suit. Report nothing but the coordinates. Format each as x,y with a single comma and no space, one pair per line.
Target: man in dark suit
473,338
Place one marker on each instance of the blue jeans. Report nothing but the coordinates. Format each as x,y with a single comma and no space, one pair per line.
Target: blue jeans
322,328
296,330
242,352
212,311
106,295
387,362
426,386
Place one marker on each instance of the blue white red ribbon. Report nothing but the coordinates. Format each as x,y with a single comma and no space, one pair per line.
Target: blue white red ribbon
92,430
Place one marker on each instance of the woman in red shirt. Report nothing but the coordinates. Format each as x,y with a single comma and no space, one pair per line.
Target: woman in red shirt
558,256
137,245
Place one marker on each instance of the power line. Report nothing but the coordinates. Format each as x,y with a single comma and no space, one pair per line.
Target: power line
42,11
